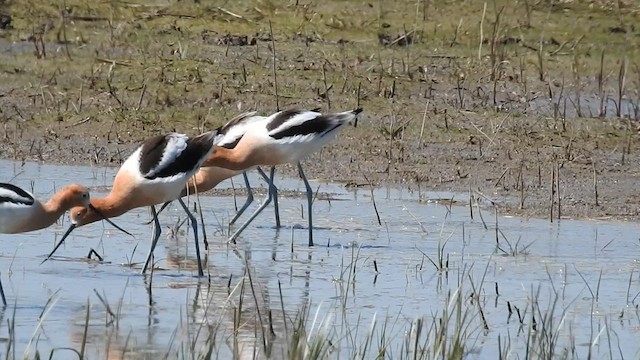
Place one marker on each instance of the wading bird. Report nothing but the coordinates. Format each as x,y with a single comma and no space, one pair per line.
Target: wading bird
155,173
209,177
284,137
21,212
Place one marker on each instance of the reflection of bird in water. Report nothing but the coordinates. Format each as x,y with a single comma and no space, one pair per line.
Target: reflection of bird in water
103,338
232,324
228,316
177,256
241,316
155,173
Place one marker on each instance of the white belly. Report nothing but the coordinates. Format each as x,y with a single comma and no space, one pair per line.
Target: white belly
297,148
165,189
14,218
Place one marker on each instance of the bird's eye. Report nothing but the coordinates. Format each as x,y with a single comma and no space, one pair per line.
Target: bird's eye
85,195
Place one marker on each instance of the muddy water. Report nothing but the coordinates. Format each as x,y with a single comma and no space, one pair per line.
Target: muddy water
566,263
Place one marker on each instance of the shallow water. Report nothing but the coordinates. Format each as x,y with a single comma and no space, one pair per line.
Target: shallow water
563,261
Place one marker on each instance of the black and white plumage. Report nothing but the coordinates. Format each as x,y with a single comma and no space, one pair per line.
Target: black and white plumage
21,212
300,133
208,177
235,128
287,136
156,172
11,194
170,155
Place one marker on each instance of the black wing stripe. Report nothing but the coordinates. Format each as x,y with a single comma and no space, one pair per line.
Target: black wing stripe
233,144
282,117
152,152
319,125
18,191
188,160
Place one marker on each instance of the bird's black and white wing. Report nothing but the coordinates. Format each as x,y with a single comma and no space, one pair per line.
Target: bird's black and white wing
295,122
174,154
235,129
13,195
236,121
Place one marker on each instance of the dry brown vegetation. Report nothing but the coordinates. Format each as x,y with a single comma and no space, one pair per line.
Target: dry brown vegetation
507,97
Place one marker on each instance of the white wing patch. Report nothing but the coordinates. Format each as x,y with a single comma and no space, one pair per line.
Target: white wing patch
295,120
8,196
237,131
175,145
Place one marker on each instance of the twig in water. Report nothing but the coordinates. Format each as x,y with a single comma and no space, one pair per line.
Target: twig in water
470,202
253,292
373,198
93,252
553,178
558,189
104,302
424,230
629,285
473,288
593,296
86,330
4,299
480,213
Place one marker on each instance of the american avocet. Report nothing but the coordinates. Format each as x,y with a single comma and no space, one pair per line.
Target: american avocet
21,212
209,177
284,137
155,173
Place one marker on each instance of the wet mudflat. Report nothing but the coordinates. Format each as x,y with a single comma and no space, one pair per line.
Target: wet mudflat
429,281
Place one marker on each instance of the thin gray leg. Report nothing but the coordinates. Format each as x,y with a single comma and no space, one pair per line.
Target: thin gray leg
259,210
309,203
159,211
4,299
247,202
274,192
194,225
204,232
154,238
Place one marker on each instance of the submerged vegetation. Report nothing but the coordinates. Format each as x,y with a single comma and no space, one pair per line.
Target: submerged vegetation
445,282
236,319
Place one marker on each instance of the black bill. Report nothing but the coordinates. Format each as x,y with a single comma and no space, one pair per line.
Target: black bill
73,226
